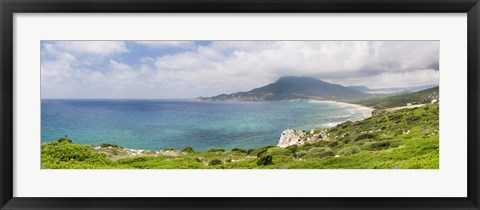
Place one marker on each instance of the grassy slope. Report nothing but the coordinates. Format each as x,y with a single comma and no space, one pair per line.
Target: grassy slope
407,138
421,97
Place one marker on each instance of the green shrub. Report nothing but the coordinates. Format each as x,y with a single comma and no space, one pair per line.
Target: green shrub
345,124
395,117
307,146
170,149
261,152
188,149
267,147
326,154
257,152
64,140
401,131
319,152
292,148
215,162
133,160
67,152
349,150
300,153
413,119
279,151
106,145
333,143
373,146
265,160
343,140
61,155
239,150
218,149
365,136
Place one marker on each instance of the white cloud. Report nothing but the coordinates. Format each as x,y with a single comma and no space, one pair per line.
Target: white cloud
231,66
121,71
246,65
88,47
164,44
147,59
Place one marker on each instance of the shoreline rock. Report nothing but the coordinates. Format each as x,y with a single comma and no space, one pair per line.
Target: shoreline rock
298,137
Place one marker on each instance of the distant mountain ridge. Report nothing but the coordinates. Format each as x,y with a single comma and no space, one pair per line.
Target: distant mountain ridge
427,96
392,91
292,88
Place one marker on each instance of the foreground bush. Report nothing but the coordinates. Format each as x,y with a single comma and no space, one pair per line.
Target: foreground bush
170,149
349,150
319,152
61,155
239,150
265,160
107,145
372,146
365,136
217,150
188,149
279,151
64,140
215,162
326,154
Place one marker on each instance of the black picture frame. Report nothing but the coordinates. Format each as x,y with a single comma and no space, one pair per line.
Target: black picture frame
10,7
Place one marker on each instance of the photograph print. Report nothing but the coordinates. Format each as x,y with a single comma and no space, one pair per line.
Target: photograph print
211,104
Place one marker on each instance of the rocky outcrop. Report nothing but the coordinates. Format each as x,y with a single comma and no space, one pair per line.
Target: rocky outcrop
291,137
298,137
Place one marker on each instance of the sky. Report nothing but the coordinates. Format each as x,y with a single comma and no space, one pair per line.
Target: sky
188,69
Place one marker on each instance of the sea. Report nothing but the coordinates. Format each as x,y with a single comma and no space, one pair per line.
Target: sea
157,124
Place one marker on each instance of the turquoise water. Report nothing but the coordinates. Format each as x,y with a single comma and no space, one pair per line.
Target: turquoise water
156,124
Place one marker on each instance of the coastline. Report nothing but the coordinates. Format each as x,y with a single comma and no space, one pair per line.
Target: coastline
314,149
367,111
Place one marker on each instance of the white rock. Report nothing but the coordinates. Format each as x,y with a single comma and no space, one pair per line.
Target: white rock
297,137
291,137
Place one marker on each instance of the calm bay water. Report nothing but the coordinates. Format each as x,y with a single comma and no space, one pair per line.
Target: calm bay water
156,124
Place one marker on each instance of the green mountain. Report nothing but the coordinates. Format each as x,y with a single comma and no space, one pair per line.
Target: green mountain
292,88
421,97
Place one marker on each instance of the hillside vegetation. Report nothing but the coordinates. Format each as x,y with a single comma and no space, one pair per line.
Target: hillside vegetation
406,138
421,97
291,88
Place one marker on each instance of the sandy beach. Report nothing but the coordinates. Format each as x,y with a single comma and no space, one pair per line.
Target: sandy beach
367,111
